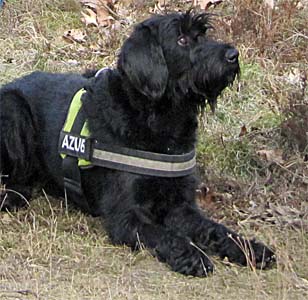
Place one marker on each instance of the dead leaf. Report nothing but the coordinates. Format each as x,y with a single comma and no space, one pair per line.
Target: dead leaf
75,35
163,3
95,4
89,3
99,12
160,6
103,17
302,4
271,156
205,4
89,17
294,76
204,194
244,131
208,199
110,2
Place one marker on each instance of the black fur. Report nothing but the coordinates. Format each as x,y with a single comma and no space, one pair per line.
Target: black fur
166,70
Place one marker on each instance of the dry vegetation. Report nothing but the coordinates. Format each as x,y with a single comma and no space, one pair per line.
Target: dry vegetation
253,156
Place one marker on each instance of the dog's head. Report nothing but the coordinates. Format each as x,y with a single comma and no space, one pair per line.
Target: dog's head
171,55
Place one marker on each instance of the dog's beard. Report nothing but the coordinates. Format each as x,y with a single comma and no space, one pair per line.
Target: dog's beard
204,86
211,84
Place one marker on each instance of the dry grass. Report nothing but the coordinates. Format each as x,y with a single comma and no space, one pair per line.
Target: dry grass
50,252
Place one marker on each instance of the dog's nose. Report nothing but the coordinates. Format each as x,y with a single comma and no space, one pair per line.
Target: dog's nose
232,55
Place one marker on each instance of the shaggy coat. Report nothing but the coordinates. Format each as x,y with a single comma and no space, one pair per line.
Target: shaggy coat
167,70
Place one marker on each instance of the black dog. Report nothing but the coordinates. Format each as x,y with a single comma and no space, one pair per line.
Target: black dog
149,103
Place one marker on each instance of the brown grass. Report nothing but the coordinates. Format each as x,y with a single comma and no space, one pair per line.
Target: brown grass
50,252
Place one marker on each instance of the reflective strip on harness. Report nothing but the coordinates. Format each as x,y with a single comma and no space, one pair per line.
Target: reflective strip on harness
146,163
75,141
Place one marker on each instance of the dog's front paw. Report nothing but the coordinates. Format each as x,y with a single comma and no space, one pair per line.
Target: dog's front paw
190,261
263,257
186,258
251,253
11,200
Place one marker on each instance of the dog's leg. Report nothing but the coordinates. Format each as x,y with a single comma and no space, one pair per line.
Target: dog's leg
216,239
14,196
17,151
136,229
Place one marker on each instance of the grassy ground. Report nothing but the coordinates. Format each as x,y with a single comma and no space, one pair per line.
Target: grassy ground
252,156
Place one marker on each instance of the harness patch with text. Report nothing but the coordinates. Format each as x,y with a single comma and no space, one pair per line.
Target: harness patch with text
74,138
74,145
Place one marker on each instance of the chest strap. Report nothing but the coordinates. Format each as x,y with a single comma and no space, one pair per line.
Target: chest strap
94,153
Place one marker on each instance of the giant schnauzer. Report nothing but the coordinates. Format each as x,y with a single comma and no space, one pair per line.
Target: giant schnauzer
135,165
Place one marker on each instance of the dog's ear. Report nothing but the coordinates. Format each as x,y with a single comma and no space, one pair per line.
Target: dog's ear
143,62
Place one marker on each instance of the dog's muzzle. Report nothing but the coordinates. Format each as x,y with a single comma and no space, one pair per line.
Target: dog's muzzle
216,67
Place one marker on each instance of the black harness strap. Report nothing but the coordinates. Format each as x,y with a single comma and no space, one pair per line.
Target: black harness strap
142,162
71,171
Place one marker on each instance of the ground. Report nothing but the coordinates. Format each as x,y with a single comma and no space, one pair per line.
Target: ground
252,156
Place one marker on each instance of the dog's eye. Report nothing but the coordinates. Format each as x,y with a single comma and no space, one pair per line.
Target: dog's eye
183,41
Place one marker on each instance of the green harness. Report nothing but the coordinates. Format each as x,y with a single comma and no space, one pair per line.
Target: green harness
73,111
